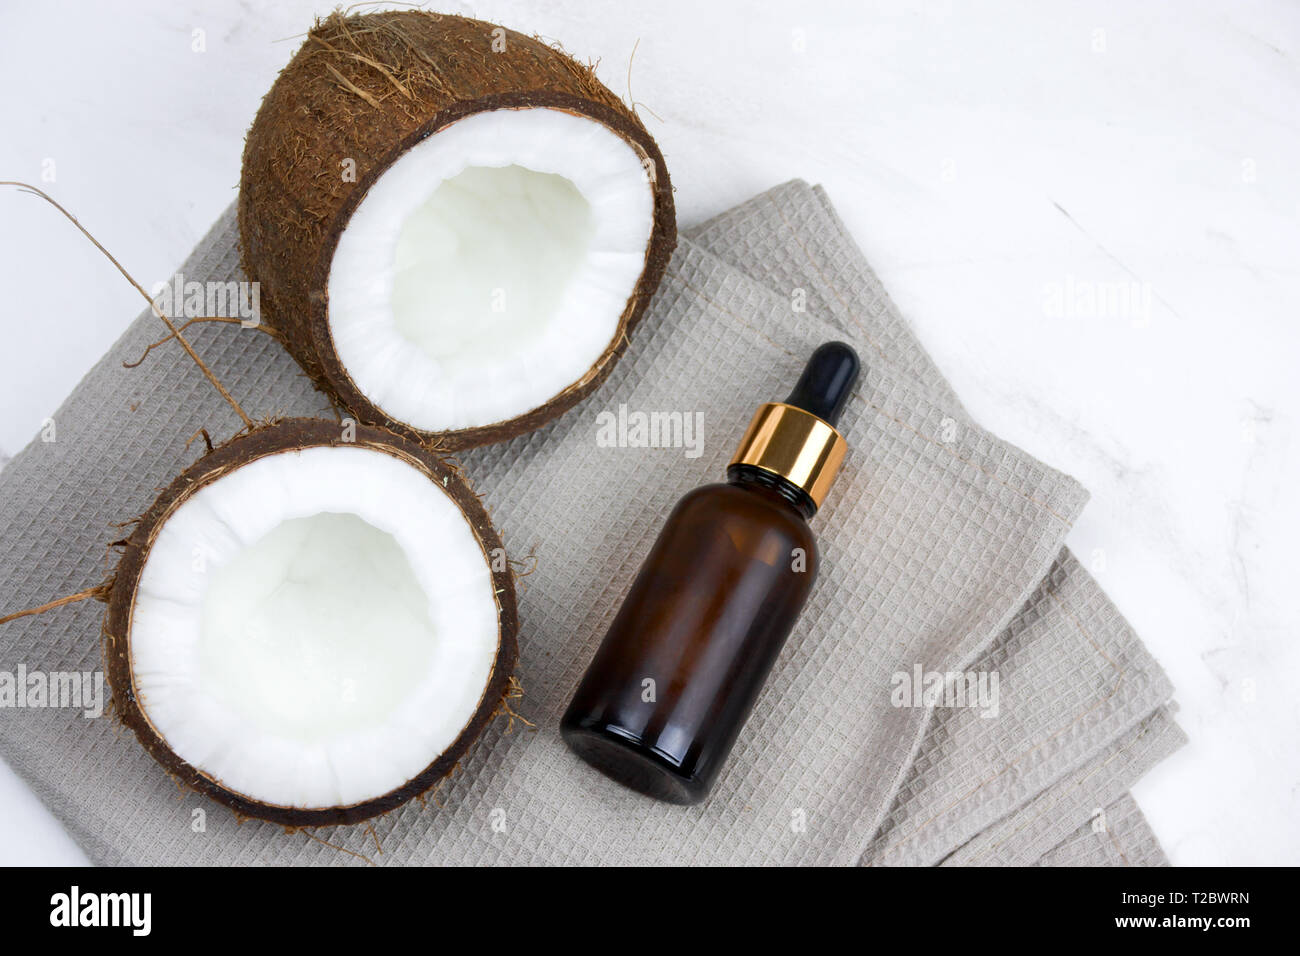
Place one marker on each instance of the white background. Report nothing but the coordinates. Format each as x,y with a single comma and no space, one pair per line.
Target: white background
988,158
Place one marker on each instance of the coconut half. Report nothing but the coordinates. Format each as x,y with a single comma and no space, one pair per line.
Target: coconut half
455,227
309,629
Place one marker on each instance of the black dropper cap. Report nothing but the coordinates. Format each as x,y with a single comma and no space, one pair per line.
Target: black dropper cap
788,445
826,382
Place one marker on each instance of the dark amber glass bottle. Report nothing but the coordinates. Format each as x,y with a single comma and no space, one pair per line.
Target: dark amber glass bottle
674,680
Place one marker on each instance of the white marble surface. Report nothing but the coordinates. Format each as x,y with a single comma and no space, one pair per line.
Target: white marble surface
998,165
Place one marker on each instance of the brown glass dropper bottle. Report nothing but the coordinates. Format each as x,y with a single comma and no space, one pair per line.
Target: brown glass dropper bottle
678,672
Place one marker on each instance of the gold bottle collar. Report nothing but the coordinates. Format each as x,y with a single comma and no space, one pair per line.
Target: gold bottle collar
795,444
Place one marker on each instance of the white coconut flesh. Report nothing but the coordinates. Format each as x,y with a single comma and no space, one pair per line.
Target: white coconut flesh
487,269
314,628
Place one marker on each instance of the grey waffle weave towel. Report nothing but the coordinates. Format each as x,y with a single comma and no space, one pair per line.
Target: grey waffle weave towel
942,549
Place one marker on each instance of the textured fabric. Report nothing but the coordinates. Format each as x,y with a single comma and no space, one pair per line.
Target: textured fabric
1073,672
1120,836
1023,837
942,547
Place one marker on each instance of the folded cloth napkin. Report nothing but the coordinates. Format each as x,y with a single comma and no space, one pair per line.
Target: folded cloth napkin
1067,644
942,550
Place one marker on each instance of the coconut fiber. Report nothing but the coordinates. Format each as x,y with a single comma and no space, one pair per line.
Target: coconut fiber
942,550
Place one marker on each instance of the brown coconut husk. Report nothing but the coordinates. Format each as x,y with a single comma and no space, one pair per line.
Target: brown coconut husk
368,88
287,435
254,440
